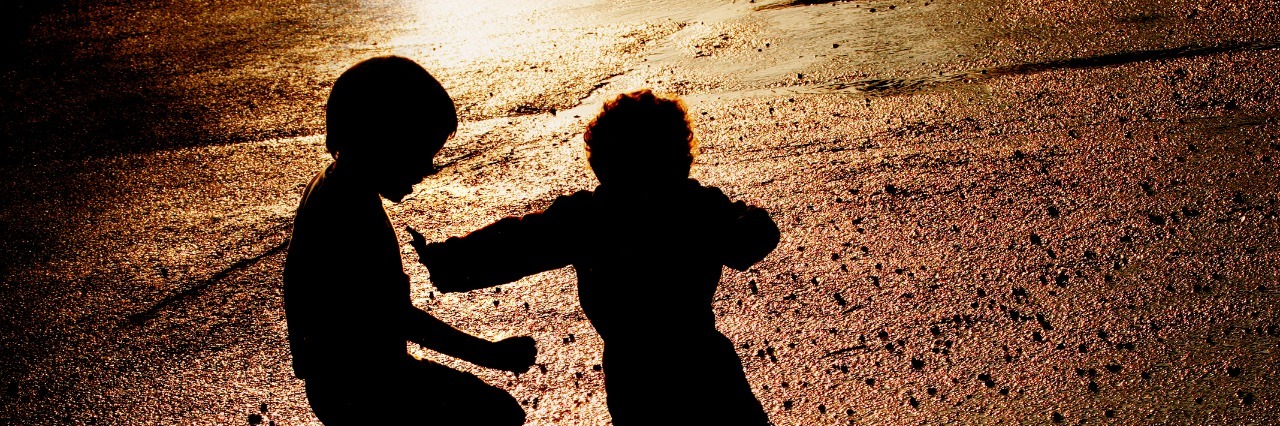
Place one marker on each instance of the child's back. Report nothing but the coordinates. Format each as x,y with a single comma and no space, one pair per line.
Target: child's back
658,257
647,273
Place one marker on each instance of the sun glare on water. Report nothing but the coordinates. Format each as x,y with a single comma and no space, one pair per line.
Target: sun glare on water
461,31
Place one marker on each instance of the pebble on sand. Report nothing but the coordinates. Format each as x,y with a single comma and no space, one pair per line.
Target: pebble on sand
986,380
1246,398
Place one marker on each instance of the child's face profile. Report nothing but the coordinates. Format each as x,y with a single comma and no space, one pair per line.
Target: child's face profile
395,176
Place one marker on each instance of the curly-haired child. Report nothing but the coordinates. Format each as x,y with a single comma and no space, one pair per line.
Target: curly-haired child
647,245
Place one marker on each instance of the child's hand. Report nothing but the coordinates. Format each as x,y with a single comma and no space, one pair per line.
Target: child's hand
419,244
441,281
514,354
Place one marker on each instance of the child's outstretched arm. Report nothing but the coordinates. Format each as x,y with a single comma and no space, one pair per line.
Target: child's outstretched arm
513,354
505,251
750,236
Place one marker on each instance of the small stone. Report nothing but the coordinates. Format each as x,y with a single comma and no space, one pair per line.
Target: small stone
917,363
1246,398
1147,188
1044,323
1057,417
255,419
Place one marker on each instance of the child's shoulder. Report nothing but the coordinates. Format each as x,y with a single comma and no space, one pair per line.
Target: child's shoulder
707,193
566,204
713,202
576,198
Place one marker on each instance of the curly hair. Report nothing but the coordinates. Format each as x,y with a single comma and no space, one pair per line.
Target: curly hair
641,137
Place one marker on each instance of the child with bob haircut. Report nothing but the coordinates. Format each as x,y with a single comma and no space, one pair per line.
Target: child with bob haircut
346,297
647,245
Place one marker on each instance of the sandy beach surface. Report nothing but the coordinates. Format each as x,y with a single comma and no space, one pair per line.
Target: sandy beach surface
992,211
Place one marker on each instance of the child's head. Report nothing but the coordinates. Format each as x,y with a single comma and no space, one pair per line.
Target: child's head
386,118
641,139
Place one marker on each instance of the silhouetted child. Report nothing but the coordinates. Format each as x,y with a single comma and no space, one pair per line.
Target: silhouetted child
346,295
647,246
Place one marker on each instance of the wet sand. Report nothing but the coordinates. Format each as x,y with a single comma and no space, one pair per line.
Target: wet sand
991,213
